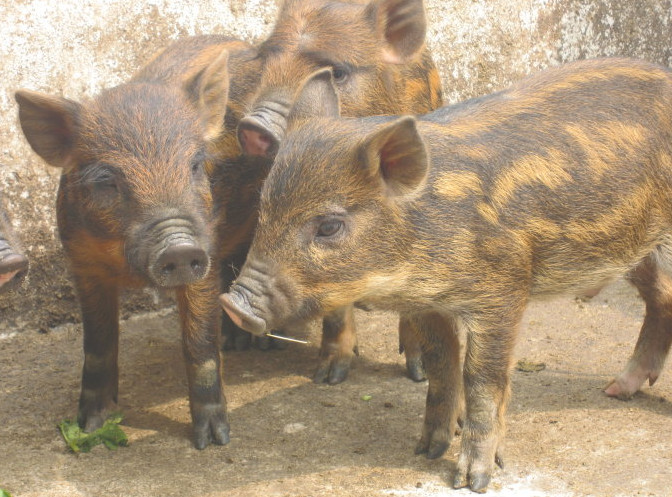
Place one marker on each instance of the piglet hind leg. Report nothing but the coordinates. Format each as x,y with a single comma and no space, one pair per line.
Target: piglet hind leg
409,345
439,339
99,303
199,316
339,346
647,360
487,387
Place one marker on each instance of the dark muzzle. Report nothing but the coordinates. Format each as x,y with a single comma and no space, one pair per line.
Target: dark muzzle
180,264
179,261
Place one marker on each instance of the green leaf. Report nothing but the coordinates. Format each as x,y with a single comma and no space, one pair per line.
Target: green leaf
4,493
366,398
110,434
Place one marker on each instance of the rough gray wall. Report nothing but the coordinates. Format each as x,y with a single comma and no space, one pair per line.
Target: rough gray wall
481,46
75,49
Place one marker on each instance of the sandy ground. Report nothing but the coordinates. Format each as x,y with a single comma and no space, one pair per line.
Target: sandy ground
291,437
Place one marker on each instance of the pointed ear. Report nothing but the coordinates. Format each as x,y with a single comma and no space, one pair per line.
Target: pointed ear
210,91
402,26
397,155
50,125
316,98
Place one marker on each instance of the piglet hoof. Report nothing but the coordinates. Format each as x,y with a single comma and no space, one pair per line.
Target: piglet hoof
625,385
92,421
437,449
332,372
433,449
476,462
415,369
460,480
94,410
210,426
631,379
477,483
499,460
330,375
334,365
614,389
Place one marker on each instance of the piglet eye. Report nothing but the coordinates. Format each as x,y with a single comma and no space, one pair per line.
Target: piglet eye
329,228
339,73
105,180
198,165
109,182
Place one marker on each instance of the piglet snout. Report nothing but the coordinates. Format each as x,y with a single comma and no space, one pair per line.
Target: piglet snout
237,305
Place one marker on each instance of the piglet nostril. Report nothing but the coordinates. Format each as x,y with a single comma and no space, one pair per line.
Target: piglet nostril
255,139
168,268
180,264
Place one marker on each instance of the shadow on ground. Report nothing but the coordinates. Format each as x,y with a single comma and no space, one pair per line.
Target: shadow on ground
292,437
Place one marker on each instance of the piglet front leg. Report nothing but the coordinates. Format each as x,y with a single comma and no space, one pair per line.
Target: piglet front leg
99,301
339,346
487,385
438,337
200,318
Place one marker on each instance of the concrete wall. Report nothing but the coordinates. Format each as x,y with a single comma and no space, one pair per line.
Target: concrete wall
74,48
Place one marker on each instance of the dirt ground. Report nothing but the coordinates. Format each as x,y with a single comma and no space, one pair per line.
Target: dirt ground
290,437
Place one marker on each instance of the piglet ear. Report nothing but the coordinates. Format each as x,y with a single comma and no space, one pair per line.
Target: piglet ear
402,25
50,126
210,90
316,98
396,154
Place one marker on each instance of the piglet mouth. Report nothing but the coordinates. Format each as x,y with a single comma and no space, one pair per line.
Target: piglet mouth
237,305
13,267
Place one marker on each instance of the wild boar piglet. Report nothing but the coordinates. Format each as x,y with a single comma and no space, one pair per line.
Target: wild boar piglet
555,185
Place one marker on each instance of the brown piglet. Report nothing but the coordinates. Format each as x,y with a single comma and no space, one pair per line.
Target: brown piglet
135,209
555,185
376,51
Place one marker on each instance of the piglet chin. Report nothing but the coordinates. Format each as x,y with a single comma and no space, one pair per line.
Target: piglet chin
238,309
